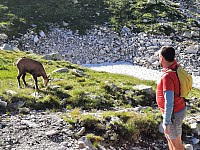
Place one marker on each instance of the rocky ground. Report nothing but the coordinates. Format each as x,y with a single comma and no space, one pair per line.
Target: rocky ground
39,130
47,131
102,45
35,131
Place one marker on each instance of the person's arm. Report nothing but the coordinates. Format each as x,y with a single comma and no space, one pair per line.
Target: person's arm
169,106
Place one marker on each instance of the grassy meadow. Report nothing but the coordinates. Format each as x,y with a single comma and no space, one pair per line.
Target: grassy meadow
94,89
102,96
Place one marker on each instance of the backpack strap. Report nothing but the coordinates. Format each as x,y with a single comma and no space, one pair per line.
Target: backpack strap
175,70
185,100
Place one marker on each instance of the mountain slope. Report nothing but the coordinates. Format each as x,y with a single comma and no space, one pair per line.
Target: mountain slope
164,17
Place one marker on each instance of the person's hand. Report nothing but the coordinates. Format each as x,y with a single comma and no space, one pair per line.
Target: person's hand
166,130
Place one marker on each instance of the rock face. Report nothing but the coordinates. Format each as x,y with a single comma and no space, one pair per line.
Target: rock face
104,45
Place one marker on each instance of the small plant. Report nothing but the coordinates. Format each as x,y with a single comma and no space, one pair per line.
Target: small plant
73,116
49,101
89,121
147,16
7,112
94,139
68,87
75,113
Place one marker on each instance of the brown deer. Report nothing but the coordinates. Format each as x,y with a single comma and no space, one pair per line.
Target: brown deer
35,68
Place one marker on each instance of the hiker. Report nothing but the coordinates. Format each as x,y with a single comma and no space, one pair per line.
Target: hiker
172,106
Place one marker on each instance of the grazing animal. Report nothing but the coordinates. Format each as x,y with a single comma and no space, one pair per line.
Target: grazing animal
35,68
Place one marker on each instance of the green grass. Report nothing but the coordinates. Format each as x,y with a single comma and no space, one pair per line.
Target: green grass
94,90
19,16
117,127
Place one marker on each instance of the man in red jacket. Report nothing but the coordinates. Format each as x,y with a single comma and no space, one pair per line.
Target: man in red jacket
172,106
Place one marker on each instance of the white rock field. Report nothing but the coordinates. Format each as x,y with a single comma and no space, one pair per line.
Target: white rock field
133,70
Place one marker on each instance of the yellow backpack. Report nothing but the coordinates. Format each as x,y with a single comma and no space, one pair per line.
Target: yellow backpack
185,80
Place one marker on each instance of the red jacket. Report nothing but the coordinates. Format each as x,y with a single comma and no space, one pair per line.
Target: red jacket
169,81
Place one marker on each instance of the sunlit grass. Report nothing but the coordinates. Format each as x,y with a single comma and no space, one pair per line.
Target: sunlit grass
91,91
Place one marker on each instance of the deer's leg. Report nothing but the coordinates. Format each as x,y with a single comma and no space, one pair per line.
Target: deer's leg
18,79
36,82
23,78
